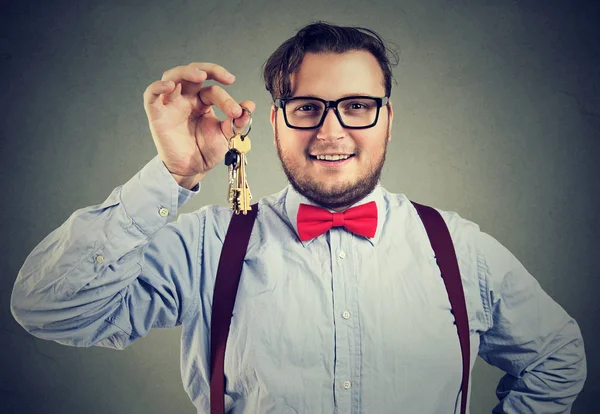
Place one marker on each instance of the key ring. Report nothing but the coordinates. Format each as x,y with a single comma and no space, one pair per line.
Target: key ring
249,124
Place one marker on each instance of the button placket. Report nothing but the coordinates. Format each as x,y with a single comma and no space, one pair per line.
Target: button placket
343,352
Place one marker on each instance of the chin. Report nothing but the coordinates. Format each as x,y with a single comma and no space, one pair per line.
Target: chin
336,189
334,196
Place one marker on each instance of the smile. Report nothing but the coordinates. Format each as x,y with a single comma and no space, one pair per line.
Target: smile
333,157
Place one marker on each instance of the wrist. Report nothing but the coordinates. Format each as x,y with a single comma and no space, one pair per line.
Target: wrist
187,181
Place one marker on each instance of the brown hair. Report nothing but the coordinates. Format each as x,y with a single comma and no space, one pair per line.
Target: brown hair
322,37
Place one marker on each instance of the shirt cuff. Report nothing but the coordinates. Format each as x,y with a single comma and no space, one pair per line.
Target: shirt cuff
152,197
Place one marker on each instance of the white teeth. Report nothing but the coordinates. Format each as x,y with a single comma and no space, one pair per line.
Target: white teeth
336,157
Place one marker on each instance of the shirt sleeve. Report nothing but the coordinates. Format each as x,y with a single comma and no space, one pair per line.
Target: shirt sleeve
115,270
530,337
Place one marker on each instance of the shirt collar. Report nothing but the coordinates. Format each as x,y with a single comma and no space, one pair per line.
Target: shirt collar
293,199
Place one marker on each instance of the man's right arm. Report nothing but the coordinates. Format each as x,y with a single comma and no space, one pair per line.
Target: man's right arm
113,271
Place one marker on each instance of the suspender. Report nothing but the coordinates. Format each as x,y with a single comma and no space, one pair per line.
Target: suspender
228,277
226,285
441,242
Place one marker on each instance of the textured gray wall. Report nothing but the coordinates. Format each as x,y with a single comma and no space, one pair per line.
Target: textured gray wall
497,118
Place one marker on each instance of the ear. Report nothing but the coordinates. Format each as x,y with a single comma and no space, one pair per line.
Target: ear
391,112
272,118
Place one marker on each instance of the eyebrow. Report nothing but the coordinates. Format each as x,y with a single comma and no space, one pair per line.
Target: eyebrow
310,95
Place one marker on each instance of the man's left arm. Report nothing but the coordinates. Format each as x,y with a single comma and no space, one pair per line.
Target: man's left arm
530,337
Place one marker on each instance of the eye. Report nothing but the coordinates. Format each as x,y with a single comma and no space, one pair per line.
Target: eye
306,107
357,106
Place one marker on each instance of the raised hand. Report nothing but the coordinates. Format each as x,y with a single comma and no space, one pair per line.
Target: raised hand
189,137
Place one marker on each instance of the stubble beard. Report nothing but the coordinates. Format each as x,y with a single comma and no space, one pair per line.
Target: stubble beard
337,197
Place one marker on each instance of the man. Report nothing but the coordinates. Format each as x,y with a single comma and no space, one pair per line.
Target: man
323,323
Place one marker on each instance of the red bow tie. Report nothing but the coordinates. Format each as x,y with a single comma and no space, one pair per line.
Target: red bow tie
314,221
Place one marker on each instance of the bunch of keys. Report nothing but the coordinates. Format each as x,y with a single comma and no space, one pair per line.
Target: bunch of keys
238,194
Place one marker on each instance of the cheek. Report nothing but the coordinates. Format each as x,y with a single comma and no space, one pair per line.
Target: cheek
371,150
296,145
366,143
292,151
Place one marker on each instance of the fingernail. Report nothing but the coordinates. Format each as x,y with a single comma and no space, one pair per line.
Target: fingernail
230,76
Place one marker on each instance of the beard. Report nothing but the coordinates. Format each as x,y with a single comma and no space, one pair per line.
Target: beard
339,196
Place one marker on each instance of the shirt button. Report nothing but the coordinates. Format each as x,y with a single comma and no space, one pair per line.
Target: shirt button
163,212
99,259
342,255
346,315
347,385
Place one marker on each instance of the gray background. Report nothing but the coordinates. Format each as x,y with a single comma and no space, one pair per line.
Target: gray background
497,118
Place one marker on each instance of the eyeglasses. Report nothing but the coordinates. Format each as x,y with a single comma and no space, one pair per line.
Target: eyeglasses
307,112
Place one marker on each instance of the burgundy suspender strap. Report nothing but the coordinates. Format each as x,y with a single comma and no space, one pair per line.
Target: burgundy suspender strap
226,285
442,245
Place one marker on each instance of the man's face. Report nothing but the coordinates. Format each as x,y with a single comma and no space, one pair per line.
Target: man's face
334,184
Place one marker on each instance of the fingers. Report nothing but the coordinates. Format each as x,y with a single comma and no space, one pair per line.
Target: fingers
217,96
170,97
241,123
155,89
187,80
195,70
193,75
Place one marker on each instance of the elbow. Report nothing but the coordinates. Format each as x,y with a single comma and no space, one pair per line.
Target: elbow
17,302
32,300
46,308
15,309
577,351
567,364
21,304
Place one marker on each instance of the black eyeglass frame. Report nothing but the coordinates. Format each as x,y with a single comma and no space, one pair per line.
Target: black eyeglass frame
281,102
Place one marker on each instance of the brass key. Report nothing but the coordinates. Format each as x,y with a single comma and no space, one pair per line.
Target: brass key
242,195
239,191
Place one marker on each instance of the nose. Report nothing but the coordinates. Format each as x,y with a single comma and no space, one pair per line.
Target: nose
331,129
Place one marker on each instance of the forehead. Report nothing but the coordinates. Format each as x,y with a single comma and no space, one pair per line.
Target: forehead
331,75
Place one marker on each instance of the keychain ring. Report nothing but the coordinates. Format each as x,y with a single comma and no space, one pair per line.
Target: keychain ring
249,124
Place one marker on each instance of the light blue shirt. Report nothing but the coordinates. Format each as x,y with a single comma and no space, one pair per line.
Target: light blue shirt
337,324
